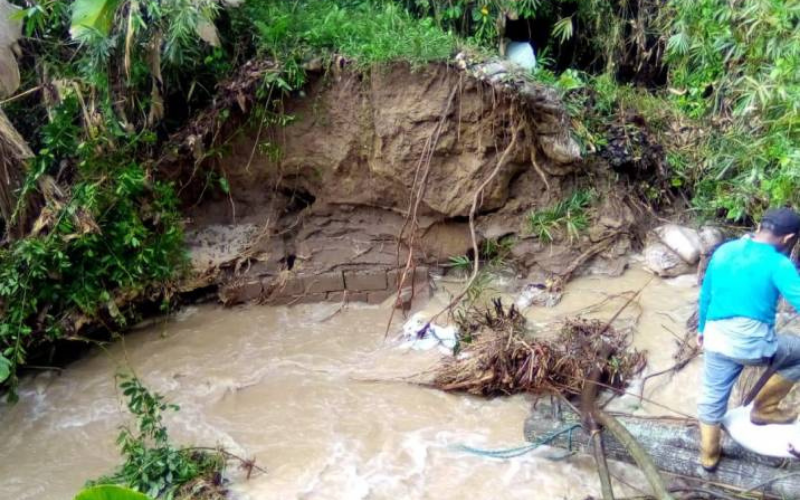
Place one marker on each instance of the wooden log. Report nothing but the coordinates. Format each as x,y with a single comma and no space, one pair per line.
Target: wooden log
674,448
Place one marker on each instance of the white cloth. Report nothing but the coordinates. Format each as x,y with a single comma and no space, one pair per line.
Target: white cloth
767,440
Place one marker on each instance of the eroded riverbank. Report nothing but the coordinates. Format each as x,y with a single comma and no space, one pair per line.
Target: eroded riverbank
298,388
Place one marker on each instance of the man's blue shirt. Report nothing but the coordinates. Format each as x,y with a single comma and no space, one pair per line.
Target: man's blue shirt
745,279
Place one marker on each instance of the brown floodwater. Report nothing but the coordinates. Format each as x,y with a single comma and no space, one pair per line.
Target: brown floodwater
317,395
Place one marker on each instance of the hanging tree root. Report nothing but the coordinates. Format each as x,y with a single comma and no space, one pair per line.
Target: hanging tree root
418,189
477,196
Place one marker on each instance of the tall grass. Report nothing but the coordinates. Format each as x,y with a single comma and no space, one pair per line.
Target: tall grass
567,217
367,32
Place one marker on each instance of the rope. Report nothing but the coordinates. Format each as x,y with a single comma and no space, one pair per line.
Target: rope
506,453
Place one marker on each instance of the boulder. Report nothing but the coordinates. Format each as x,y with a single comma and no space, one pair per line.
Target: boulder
683,241
562,149
660,259
710,238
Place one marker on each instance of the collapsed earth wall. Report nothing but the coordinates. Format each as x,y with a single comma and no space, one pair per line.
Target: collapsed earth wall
377,172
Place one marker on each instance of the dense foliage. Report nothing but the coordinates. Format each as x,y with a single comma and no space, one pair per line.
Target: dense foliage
365,32
735,66
108,230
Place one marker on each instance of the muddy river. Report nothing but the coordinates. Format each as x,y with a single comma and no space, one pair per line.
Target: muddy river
316,394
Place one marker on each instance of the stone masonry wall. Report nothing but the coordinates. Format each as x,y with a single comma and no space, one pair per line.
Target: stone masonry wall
373,286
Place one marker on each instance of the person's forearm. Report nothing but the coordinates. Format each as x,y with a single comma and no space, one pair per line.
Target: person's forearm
704,302
787,281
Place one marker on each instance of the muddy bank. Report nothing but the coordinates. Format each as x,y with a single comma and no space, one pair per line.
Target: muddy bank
377,172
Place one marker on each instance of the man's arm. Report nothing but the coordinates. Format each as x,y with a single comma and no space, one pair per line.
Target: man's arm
787,281
705,300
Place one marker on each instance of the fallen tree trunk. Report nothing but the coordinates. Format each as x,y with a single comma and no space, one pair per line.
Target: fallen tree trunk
674,447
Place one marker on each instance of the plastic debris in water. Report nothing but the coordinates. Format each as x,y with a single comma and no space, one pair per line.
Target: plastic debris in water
521,53
537,294
420,335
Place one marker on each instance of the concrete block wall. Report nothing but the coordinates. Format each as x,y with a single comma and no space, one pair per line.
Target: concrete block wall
373,286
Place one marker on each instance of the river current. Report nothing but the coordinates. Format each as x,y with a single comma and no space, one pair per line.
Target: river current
321,399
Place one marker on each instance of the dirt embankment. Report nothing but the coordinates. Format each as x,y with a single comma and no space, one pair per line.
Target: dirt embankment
374,171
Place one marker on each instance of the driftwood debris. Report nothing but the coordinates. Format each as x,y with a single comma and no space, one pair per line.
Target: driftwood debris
502,358
673,447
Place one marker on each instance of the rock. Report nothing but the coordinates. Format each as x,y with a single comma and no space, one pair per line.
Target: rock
447,239
710,238
237,293
497,229
365,281
538,294
492,69
683,241
326,282
608,267
664,262
560,149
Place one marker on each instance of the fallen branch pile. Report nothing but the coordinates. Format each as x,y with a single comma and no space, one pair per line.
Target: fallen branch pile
499,359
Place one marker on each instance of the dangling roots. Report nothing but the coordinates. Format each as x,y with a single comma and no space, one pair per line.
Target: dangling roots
499,359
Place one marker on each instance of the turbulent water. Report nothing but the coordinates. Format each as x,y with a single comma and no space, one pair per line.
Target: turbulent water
315,394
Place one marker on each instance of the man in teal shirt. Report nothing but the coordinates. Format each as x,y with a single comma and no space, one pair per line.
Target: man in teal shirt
738,301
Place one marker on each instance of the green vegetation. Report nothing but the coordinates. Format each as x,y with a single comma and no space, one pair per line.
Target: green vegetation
735,67
97,229
493,254
155,466
366,32
461,263
566,216
110,492
117,232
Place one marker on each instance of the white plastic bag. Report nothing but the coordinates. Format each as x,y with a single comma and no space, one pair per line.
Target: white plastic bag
521,53
767,440
420,335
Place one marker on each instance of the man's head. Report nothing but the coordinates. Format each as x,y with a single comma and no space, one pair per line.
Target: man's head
780,228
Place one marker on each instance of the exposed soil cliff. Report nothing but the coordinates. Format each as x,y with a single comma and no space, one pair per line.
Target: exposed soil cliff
372,167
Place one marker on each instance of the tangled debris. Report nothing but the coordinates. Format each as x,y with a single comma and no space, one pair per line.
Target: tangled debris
499,359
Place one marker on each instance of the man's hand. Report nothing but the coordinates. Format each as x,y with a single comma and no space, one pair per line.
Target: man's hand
699,341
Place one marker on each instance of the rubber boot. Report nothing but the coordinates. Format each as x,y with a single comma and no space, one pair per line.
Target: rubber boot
765,405
710,449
